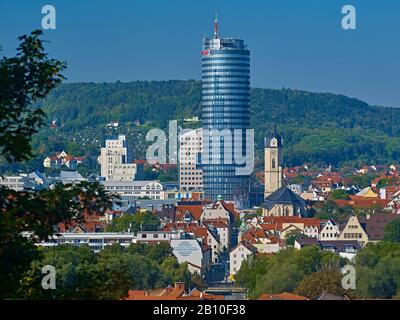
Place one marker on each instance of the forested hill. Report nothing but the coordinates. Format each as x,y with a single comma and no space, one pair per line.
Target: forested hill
315,126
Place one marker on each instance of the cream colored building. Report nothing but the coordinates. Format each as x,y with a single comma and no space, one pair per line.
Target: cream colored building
354,231
243,251
190,147
273,164
141,189
214,211
116,161
329,232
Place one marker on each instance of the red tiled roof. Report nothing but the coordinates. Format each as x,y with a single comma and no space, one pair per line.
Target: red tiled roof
363,202
195,210
281,296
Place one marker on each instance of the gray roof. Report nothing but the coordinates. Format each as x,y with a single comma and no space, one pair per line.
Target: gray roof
375,226
148,202
133,183
283,196
340,245
70,175
329,296
307,241
272,135
36,175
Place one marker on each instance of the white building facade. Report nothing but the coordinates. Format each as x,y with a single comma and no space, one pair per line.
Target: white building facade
190,147
116,161
140,189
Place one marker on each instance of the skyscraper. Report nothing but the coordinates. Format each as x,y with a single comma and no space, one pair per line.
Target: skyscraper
226,107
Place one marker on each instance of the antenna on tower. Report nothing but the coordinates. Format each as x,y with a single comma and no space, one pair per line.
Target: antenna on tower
216,27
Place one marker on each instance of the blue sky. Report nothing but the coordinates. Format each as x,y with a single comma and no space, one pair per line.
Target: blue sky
295,44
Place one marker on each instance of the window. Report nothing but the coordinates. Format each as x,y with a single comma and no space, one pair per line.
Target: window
273,163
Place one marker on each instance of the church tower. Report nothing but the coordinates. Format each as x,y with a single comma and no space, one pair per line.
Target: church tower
273,163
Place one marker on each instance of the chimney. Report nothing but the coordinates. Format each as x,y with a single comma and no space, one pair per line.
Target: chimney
179,285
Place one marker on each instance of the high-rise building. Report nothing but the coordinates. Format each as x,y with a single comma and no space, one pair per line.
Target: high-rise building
116,161
273,163
226,107
190,175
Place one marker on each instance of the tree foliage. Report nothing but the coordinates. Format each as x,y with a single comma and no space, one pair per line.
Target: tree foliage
317,127
378,270
24,79
314,284
392,231
82,274
145,221
29,216
285,270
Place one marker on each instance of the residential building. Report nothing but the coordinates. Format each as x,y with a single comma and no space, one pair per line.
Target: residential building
96,241
284,225
52,162
367,193
345,248
62,159
281,296
156,236
70,177
191,251
225,107
190,173
176,292
243,251
353,230
329,231
375,225
304,241
222,229
137,189
218,210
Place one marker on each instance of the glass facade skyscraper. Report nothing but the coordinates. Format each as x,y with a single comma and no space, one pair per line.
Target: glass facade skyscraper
225,105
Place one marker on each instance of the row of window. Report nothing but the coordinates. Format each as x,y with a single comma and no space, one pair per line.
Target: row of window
225,85
352,235
220,68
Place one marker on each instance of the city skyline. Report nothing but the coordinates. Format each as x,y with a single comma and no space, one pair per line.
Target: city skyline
298,46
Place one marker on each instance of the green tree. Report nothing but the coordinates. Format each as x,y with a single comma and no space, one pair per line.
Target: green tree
145,221
339,194
284,270
26,217
314,284
292,236
378,270
392,231
24,79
